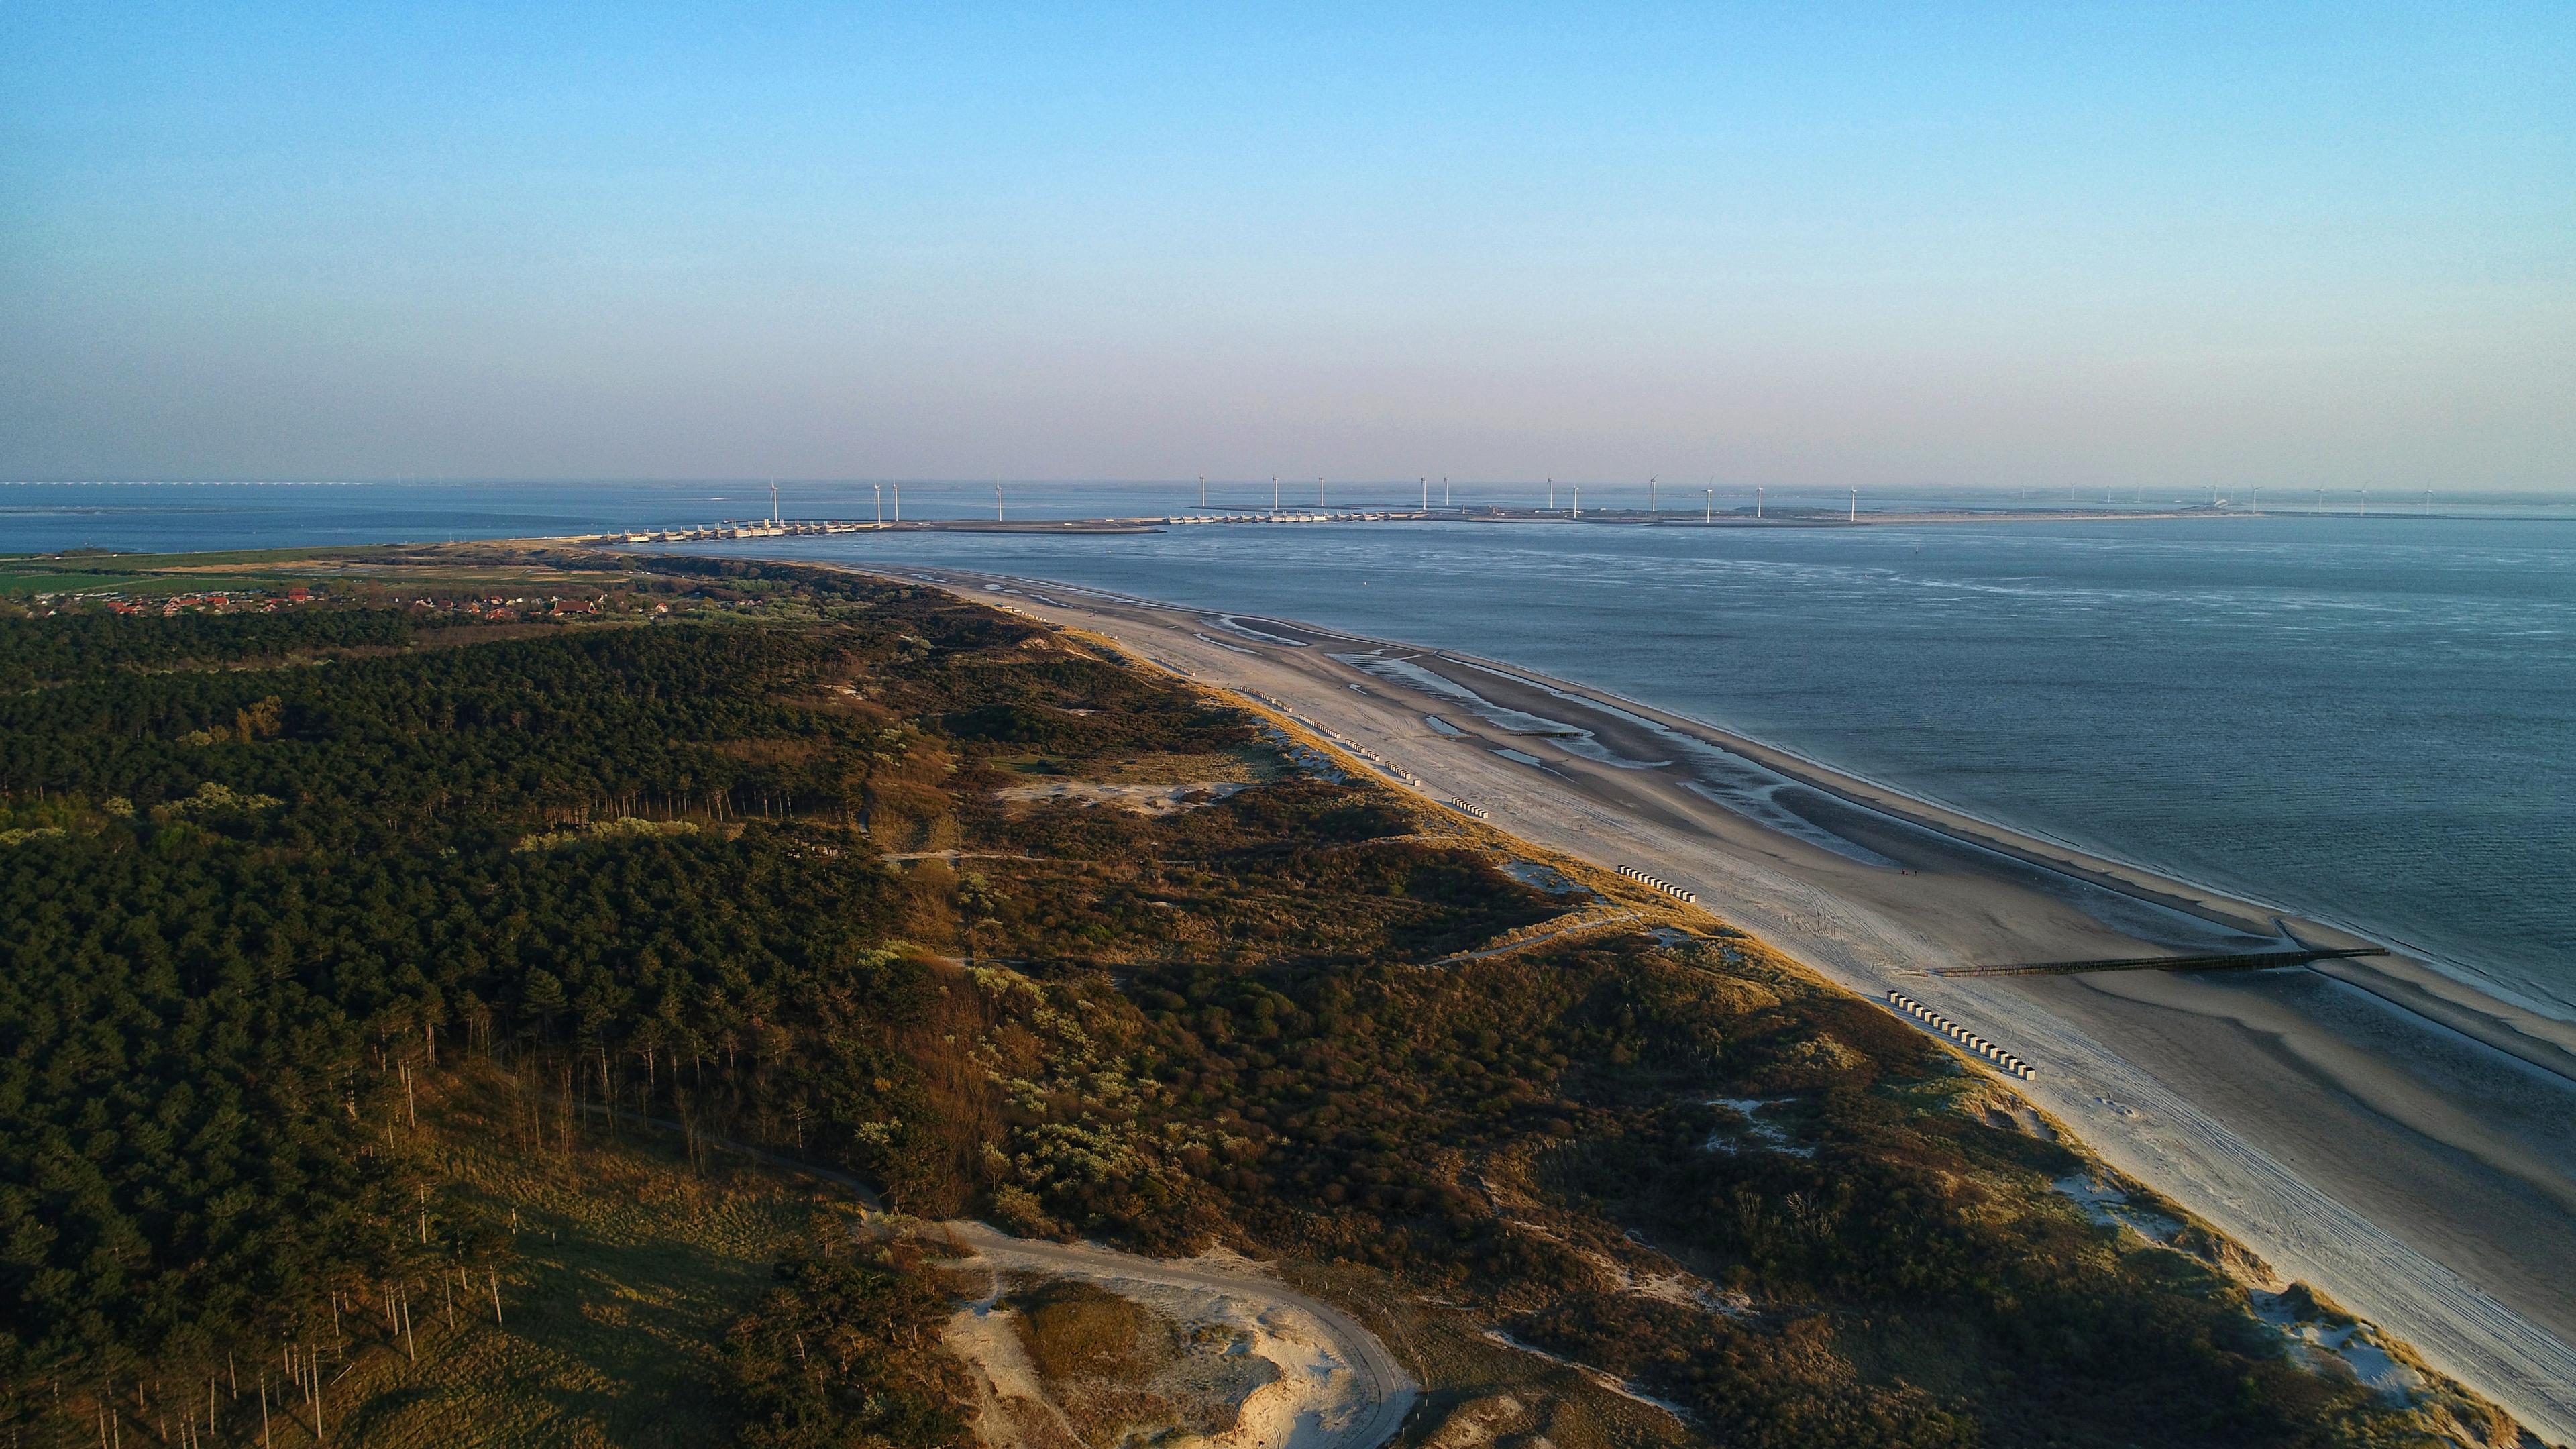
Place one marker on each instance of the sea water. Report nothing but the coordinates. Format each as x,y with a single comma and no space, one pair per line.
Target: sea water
2365,719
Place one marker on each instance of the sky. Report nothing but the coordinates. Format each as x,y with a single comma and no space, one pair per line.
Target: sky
1808,244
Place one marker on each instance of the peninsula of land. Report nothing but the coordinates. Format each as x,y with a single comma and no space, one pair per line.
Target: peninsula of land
685,1000
2373,1125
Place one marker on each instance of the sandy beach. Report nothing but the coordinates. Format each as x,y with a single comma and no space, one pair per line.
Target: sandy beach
2393,1136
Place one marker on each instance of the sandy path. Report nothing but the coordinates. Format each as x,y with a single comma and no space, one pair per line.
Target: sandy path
1316,1410
2424,1175
1361,1411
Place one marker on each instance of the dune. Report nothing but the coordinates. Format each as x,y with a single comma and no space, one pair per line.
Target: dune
2396,1136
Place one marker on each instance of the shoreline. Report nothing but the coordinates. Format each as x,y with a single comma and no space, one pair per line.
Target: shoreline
2393,1136
2405,979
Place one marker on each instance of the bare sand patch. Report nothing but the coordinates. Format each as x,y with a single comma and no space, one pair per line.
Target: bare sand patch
1109,1348
1142,799
1013,1409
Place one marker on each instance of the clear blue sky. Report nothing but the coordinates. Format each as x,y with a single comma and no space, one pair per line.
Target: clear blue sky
2330,244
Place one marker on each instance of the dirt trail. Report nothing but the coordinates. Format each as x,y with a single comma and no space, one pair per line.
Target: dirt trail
1343,1389
1352,1394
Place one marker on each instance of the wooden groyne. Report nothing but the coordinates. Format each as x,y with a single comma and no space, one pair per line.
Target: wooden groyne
2224,961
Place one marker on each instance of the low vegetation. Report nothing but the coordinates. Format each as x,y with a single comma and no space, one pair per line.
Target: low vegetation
349,951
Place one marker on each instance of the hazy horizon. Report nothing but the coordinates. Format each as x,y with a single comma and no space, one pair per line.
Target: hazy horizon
1678,493
1993,248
